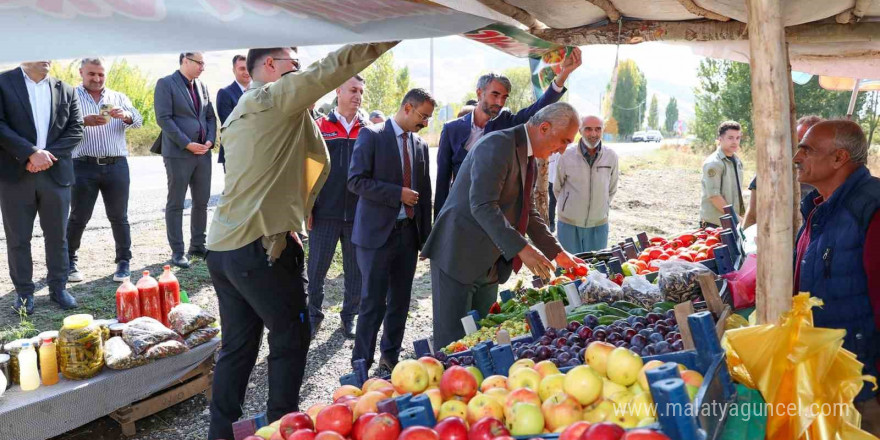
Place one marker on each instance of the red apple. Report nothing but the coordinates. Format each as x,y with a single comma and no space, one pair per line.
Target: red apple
487,429
603,431
253,437
452,428
357,431
302,434
329,435
277,436
418,433
644,434
292,422
458,383
574,431
346,398
383,427
337,418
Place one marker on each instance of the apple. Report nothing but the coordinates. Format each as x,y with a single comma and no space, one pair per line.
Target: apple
561,410
647,421
499,394
574,431
381,385
357,430
452,428
478,375
644,434
597,355
329,435
521,395
636,388
624,366
546,368
315,409
643,378
346,390
598,412
336,418
295,421
409,376
352,403
583,383
524,378
625,421
346,398
453,408
434,369
276,424
458,383
368,403
483,406
551,385
692,380
436,398
487,429
418,433
610,388
495,381
276,435
525,419
621,399
642,406
252,437
382,427
266,432
603,431
521,363
302,434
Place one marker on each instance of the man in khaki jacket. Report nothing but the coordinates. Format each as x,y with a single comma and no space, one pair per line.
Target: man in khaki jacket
277,164
722,177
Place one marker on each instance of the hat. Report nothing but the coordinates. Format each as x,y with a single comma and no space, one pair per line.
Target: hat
377,113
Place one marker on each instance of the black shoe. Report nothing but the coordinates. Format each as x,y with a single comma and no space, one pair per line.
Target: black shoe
315,327
63,298
122,271
24,302
348,329
387,364
179,261
198,254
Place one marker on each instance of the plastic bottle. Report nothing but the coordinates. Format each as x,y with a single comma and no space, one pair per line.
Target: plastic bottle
27,366
169,290
48,363
148,291
128,303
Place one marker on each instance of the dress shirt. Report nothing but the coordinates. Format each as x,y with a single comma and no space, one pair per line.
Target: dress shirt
345,123
105,140
397,132
243,88
40,96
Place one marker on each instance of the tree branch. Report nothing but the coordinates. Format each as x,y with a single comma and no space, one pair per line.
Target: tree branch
696,9
606,5
515,13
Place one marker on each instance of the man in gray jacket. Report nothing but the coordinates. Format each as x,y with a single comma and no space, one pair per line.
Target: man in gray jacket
186,117
585,183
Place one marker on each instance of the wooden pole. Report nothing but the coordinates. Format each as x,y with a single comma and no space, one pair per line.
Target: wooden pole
772,121
795,185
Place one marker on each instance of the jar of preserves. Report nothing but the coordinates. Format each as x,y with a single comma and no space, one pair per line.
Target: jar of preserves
81,345
169,291
148,291
13,348
128,303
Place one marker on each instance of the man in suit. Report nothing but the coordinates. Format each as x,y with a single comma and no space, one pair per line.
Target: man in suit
40,125
459,136
228,96
390,173
480,234
186,117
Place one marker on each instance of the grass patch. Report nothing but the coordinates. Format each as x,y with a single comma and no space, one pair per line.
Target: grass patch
24,329
677,156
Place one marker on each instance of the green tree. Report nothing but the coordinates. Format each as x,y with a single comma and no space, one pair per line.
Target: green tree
812,99
642,99
671,115
654,114
521,94
723,93
870,118
385,85
627,107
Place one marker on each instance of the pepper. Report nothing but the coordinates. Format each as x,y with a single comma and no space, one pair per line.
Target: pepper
496,308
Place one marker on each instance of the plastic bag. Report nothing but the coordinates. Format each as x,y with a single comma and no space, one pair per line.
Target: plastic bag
118,355
200,336
743,283
637,289
678,280
165,349
185,318
598,288
144,332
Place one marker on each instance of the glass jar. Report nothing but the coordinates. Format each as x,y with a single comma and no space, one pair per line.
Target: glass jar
81,344
13,348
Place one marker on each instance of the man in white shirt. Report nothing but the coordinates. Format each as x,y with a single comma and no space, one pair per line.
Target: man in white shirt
40,124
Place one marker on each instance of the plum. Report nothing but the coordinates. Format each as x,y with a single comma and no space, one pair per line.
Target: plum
591,321
653,317
638,341
585,332
655,337
545,340
573,326
599,335
582,354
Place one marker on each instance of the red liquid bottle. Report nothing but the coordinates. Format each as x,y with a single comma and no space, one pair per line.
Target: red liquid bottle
151,304
169,290
128,303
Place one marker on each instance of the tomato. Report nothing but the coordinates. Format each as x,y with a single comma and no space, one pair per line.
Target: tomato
581,271
702,256
712,241
641,265
686,239
645,256
686,257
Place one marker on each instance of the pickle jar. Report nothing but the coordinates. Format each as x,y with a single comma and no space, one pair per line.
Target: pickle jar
81,345
13,348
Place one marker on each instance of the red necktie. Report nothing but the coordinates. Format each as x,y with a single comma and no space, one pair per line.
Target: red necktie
195,98
523,221
407,174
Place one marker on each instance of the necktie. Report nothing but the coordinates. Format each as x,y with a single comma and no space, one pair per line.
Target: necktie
523,221
195,99
407,173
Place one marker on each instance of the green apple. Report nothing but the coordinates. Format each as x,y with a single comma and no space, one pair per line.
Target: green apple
583,383
610,388
551,385
624,366
522,363
525,419
546,368
599,412
597,355
477,374
643,379
266,432
642,406
647,421
524,378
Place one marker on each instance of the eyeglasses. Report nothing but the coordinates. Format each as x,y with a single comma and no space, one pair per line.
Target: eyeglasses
200,63
424,117
294,61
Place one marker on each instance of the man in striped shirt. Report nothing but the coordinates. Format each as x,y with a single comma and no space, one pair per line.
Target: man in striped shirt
100,165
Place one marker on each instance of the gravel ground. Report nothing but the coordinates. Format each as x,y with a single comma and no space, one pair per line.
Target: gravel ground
649,199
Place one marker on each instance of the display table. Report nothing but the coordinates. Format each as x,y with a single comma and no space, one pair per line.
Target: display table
53,410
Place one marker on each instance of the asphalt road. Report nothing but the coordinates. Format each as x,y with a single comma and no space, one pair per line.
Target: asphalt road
149,190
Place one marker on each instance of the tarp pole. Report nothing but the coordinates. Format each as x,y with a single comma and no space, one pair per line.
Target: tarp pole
853,98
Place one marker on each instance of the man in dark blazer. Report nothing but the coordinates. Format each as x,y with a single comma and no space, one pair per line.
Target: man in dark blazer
228,96
40,125
389,172
460,135
480,235
186,117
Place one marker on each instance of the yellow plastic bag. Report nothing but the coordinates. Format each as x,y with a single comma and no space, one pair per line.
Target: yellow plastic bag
807,379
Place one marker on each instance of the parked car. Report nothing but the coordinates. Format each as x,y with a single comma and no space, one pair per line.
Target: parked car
654,136
640,136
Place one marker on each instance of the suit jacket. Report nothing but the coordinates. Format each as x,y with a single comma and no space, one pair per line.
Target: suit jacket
227,98
177,117
455,133
18,134
376,176
477,225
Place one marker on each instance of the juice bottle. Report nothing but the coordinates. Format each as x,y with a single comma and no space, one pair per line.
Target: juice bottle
169,290
29,377
148,291
48,363
128,303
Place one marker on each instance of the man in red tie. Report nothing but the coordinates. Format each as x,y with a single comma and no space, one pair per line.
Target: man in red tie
479,236
389,172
